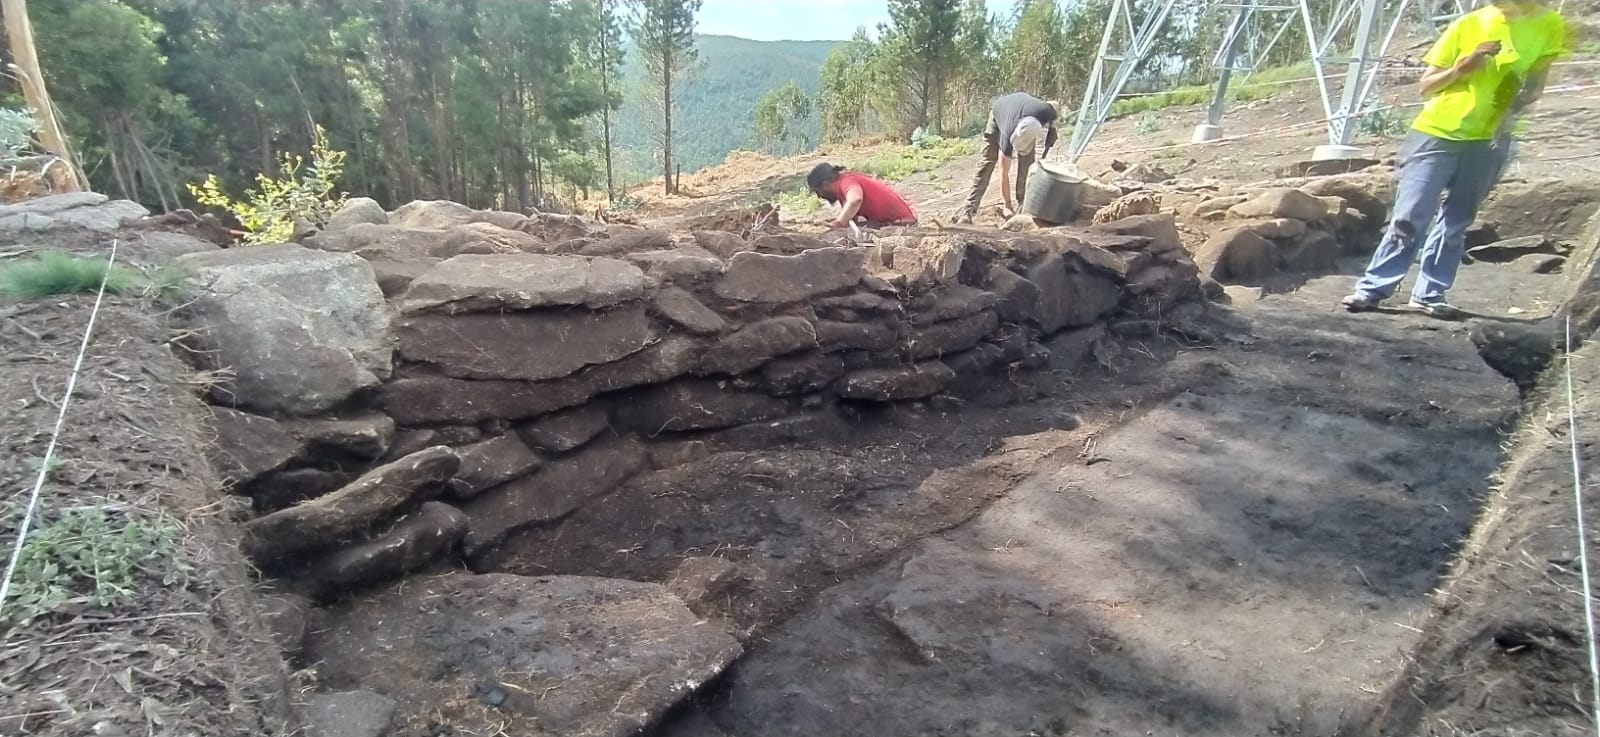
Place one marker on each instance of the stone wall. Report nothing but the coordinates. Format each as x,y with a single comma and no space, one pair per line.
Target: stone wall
407,392
490,371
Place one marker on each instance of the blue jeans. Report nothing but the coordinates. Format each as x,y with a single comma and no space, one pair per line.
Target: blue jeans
1461,171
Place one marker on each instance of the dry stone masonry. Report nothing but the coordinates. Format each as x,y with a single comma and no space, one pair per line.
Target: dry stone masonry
404,393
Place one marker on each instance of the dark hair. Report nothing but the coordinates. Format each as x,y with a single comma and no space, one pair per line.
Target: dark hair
820,175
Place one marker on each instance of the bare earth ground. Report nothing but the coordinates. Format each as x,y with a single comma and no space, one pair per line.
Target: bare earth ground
1263,136
1241,542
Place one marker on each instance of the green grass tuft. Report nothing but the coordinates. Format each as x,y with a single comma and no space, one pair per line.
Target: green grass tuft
57,272
797,203
904,161
1259,86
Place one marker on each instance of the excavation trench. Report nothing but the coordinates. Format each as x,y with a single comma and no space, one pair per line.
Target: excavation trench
765,483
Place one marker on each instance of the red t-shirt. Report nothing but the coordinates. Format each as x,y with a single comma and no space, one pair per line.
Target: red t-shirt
879,202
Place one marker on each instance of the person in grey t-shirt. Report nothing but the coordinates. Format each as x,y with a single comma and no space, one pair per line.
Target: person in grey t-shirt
1018,124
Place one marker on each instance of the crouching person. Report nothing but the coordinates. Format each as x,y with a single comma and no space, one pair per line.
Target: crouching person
875,203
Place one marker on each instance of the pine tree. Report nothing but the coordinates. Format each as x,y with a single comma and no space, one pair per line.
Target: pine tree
846,87
919,43
663,32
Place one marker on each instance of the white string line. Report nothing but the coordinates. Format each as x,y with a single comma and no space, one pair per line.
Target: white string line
55,435
1332,73
1583,539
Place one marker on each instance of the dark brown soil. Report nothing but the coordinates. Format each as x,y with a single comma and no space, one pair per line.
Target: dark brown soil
186,656
1240,537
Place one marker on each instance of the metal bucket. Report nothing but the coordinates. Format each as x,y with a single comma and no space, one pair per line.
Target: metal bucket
1054,193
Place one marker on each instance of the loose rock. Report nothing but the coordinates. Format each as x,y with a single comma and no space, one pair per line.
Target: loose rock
595,657
357,210
490,463
352,714
285,489
1238,256
340,518
365,436
553,492
755,344
684,310
248,446
415,542
1317,251
566,431
951,336
1283,202
697,405
896,384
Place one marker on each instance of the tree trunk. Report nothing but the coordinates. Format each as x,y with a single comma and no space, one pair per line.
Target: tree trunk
19,33
666,118
605,116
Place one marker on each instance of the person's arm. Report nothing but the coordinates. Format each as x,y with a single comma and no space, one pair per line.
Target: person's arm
1437,78
1533,86
1049,141
1005,183
848,209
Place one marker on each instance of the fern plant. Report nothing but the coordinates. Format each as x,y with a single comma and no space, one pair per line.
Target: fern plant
302,191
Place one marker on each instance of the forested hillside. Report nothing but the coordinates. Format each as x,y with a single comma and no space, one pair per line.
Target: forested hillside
505,103
715,111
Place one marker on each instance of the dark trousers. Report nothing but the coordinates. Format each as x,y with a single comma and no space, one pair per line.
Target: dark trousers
991,154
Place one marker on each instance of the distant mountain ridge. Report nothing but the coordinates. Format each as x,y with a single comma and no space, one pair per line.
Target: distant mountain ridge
715,109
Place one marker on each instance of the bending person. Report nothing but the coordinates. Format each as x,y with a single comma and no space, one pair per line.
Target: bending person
1488,64
1017,123
859,196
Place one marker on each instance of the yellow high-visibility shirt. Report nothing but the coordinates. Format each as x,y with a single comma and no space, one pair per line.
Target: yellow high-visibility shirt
1472,108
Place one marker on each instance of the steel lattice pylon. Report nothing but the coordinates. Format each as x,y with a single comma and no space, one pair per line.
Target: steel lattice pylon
1344,76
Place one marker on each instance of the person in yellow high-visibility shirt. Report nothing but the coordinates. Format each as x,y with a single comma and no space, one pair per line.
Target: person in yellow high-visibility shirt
1489,64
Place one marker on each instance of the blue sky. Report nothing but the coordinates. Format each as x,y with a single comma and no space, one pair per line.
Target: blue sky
794,20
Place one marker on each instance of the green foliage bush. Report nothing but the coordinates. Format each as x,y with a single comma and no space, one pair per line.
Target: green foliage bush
270,210
903,161
90,556
797,203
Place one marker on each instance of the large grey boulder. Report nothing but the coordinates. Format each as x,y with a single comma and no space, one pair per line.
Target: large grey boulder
474,282
81,209
297,330
563,655
434,214
357,210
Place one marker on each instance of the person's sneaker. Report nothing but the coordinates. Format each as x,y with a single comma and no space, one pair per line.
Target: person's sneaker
963,218
1359,303
1438,308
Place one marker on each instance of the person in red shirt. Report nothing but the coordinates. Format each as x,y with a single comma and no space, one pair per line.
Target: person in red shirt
859,195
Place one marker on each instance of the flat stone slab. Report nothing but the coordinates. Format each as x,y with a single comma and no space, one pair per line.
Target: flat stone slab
520,281
561,655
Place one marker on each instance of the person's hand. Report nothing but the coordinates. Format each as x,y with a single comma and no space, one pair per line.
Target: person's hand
1476,59
838,223
1008,211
